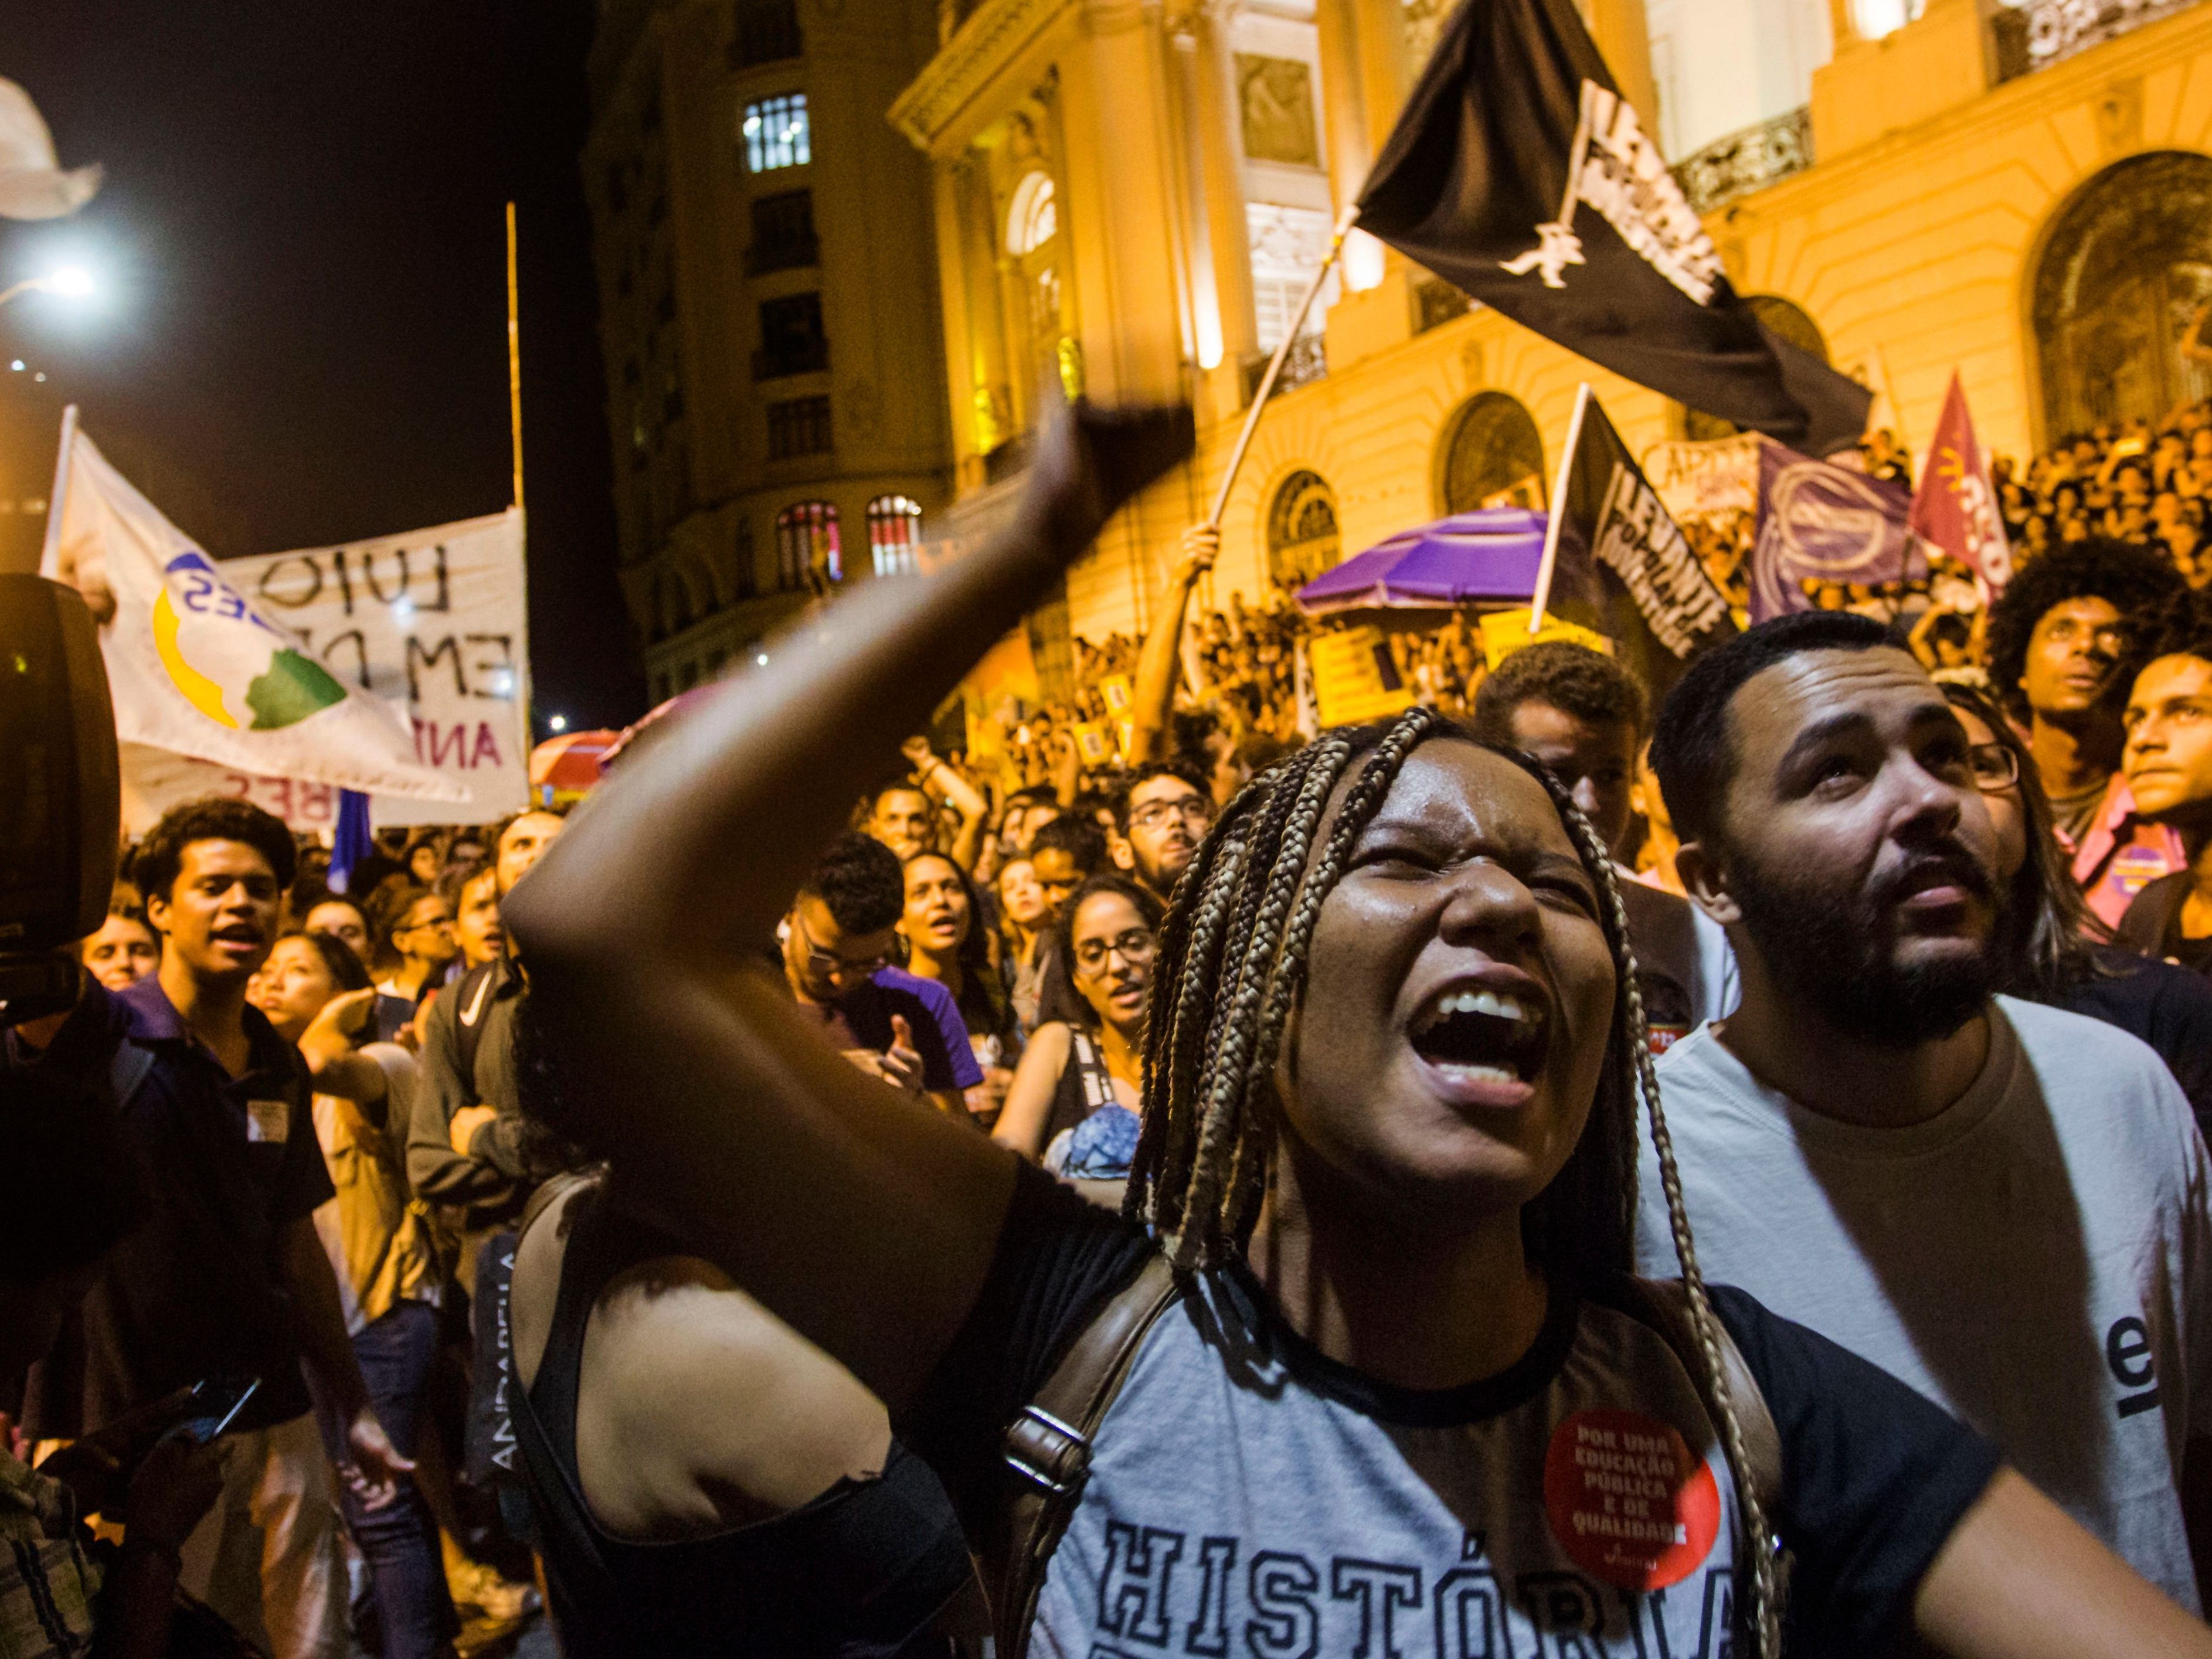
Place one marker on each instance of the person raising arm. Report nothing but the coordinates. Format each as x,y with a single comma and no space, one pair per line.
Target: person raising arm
1152,698
1388,1150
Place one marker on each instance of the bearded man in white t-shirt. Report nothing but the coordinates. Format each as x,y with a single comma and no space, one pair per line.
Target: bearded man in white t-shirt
2003,1205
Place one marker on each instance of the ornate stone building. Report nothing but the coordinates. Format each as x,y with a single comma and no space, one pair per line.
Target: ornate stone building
768,306
1127,195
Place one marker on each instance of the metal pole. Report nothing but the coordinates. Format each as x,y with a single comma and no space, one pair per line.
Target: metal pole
1275,366
1542,596
513,357
50,553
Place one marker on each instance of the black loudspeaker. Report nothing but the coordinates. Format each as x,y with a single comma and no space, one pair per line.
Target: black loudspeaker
60,786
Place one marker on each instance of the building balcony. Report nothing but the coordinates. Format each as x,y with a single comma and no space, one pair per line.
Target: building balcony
2034,35
795,357
1747,161
1308,361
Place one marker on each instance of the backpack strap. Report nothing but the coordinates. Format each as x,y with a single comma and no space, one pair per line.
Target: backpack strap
1048,1446
1664,1304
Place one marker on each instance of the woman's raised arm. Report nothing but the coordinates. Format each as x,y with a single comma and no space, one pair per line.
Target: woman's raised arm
866,1222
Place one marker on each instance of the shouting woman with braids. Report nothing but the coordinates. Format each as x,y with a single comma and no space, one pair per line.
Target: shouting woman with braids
1361,1372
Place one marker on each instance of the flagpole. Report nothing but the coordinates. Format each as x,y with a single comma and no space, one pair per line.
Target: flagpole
1542,596
1889,390
50,550
1275,366
514,424
513,357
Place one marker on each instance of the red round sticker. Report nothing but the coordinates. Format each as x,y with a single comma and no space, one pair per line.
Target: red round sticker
1628,1501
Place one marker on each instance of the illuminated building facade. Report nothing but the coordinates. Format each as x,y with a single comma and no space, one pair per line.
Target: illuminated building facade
1126,197
769,312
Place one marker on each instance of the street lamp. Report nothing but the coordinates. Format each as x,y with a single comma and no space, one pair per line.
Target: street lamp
70,281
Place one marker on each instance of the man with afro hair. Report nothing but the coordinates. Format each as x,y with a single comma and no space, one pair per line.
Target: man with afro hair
2057,636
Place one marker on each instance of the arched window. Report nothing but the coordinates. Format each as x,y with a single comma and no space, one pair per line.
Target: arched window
1301,530
1494,456
1032,218
895,534
807,543
2124,275
1784,318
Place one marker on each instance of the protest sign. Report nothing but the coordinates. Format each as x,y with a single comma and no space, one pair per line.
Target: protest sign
434,621
1822,523
1618,565
1355,677
1708,479
197,667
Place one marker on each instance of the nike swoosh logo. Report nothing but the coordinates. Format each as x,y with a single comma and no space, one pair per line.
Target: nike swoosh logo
476,1003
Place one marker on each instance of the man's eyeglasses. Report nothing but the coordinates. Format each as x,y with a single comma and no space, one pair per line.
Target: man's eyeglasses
1995,767
831,966
1192,809
1136,945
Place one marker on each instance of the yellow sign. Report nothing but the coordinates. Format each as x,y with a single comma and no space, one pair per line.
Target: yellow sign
1355,677
1094,742
1114,688
1504,632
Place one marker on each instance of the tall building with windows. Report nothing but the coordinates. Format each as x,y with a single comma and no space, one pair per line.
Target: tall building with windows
1129,197
768,283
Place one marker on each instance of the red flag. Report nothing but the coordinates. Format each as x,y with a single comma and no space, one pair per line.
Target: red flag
1956,505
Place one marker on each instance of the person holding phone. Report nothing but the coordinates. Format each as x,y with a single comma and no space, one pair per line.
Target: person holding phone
225,1274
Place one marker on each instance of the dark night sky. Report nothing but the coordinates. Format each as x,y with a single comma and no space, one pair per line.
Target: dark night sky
303,339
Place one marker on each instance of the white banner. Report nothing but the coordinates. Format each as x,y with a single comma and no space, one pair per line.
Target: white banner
197,669
1699,480
434,622
154,781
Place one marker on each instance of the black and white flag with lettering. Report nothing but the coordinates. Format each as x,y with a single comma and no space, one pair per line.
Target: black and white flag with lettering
1518,172
1616,562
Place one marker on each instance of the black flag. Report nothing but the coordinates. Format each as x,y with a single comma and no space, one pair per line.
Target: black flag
1519,173
1621,565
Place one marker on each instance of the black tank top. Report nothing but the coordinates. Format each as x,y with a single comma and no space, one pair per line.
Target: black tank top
861,1573
1084,1085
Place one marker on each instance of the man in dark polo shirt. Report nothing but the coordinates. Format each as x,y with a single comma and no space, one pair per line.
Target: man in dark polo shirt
225,1276
840,943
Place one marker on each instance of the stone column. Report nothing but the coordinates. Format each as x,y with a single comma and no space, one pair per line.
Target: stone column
1379,27
1344,103
953,301
1221,176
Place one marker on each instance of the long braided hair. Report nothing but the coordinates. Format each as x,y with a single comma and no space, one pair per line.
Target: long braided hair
1230,967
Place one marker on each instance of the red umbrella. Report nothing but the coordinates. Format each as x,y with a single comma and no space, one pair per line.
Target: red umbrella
566,767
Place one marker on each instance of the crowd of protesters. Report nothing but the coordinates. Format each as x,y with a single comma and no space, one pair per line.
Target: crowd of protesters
559,1241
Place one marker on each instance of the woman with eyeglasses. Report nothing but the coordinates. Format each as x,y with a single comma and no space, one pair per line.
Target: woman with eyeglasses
418,937
1075,1096
2060,951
